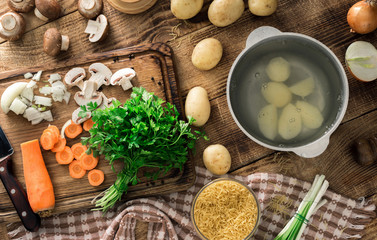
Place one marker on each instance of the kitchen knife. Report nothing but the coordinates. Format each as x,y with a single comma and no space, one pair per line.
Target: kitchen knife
15,190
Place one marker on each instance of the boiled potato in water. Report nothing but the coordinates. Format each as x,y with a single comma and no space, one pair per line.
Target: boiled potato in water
207,54
278,69
290,124
276,93
222,13
197,106
303,88
185,9
268,121
310,115
217,159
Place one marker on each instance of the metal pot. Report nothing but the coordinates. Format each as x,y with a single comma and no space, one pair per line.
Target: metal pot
247,76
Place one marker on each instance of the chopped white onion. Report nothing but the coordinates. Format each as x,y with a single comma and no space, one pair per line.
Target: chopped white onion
57,97
17,106
37,76
36,121
45,101
66,124
54,77
31,84
45,90
66,97
28,94
28,75
32,114
59,84
47,115
26,101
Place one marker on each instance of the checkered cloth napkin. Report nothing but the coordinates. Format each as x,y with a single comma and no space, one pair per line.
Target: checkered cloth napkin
169,215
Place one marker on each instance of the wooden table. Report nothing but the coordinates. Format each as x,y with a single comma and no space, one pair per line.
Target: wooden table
321,19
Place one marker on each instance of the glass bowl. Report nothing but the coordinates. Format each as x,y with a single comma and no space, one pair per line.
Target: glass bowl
214,185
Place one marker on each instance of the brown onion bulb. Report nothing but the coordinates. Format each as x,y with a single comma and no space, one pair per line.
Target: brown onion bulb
362,16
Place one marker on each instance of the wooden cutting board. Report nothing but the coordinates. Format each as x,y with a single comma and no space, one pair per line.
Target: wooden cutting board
155,72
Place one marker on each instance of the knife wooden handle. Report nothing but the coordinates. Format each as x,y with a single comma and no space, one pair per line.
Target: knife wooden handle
18,196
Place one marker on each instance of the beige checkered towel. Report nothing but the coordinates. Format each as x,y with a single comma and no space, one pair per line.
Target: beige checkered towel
169,216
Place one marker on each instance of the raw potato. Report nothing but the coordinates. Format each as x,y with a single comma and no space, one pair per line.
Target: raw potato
263,7
276,93
217,159
290,124
185,9
278,69
207,54
197,106
310,115
303,88
222,13
268,121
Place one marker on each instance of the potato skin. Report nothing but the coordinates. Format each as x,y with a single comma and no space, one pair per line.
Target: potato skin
185,9
217,159
222,13
263,7
197,106
207,54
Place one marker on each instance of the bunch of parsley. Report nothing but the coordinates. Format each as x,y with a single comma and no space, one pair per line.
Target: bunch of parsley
144,132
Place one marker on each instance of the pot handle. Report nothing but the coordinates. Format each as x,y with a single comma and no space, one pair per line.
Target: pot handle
313,150
260,34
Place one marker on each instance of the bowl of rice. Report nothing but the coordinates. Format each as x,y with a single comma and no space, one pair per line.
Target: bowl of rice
225,209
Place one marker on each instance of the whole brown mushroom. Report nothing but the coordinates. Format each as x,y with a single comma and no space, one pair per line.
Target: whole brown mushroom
12,26
47,9
54,42
22,6
90,8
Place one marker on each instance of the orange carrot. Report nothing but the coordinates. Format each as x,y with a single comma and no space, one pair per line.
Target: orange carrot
39,187
47,140
59,146
75,169
78,149
88,124
55,129
96,177
55,137
73,130
64,157
88,162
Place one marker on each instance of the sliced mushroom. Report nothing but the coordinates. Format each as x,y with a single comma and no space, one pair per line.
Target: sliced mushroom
75,77
47,9
100,73
12,26
97,29
21,5
123,78
54,42
77,119
106,102
88,94
90,8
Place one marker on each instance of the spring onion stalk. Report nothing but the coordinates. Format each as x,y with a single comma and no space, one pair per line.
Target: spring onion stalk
309,205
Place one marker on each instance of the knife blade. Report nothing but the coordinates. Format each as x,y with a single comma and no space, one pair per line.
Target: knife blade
17,194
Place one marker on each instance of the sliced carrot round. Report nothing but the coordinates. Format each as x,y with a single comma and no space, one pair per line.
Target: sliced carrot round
47,141
88,124
59,146
75,169
55,137
96,177
55,129
88,162
78,149
65,156
73,130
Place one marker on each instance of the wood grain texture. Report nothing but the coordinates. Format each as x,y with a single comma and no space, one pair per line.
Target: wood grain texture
154,72
321,19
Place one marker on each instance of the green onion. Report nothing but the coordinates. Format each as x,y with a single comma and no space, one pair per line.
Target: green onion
309,205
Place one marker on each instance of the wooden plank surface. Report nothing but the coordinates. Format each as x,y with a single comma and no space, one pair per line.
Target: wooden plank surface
154,69
321,19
